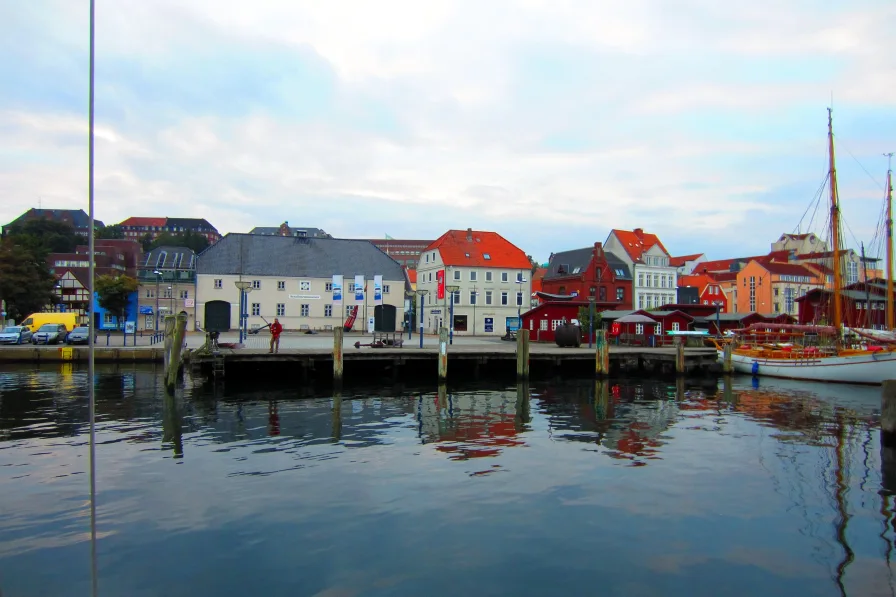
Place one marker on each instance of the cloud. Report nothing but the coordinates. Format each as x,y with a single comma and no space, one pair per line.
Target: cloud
549,122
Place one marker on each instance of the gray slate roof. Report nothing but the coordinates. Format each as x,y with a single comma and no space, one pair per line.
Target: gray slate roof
292,257
169,258
580,258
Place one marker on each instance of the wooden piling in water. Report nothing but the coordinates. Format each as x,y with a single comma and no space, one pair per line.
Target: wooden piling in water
602,354
522,354
175,330
443,354
601,399
888,412
336,422
522,417
680,368
337,356
727,364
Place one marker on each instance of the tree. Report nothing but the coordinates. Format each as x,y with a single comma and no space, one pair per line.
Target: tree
114,294
585,318
189,239
146,242
25,282
533,265
42,237
114,232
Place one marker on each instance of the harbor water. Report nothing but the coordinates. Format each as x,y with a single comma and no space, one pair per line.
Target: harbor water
630,487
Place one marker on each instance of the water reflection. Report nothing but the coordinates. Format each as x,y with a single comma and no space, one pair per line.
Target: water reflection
722,488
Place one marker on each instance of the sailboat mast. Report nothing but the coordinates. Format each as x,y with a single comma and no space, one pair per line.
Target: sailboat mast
890,315
835,226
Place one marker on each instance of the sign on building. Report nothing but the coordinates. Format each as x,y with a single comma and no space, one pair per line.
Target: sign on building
359,287
378,290
337,288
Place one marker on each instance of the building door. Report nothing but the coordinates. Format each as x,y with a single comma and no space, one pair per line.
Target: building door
384,318
460,323
217,316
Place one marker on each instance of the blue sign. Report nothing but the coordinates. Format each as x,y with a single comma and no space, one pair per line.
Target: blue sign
359,287
145,310
513,324
337,288
489,324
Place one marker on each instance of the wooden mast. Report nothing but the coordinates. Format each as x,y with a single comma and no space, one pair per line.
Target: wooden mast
835,228
890,316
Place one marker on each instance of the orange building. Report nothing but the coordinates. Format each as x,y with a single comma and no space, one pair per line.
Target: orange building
772,287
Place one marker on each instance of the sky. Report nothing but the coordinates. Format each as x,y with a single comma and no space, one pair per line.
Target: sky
704,122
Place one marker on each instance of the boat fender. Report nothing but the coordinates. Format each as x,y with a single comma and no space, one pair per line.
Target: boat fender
755,369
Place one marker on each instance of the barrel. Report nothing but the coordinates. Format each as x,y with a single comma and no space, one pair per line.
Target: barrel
568,335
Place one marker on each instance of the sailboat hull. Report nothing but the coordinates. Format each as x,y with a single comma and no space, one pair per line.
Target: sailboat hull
870,368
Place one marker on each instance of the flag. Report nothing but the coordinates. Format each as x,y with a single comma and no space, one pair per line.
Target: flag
359,287
337,288
389,237
440,288
378,290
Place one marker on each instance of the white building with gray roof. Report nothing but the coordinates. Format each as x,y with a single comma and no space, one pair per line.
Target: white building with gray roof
292,278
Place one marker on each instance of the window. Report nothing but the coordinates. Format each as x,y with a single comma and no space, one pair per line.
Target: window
620,294
328,310
184,294
519,299
658,328
256,284
519,277
218,283
304,285
555,323
166,293
329,287
503,276
281,285
656,280
788,300
472,275
752,292
385,289
504,298
457,274
150,293
639,328
256,309
852,272
640,301
675,326
650,301
348,310
488,297
486,256
456,297
648,280
427,258
543,325
306,310
473,294
488,276
430,276
281,309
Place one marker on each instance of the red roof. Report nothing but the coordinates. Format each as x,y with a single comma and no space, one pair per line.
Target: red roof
787,269
700,281
538,279
474,248
137,221
412,275
725,276
636,241
724,265
681,260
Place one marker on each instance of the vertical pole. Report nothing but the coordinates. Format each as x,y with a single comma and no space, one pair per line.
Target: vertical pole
679,356
443,354
590,321
601,399
727,364
522,354
178,330
891,317
451,321
337,356
156,316
422,303
522,417
602,354
336,430
91,348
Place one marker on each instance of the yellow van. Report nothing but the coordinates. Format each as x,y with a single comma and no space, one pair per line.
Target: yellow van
35,320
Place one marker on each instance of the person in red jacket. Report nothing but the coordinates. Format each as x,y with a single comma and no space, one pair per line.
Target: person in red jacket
276,328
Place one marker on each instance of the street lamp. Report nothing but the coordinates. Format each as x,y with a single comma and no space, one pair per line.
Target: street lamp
520,280
171,298
452,289
158,279
244,287
422,293
473,296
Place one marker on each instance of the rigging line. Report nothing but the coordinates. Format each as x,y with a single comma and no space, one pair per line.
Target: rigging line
874,180
816,199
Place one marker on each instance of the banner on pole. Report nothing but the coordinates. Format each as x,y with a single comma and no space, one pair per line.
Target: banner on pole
440,288
378,290
359,287
337,288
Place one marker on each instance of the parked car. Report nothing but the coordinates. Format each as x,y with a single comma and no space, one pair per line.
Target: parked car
79,335
16,334
50,333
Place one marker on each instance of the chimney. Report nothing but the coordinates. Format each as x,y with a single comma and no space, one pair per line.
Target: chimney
639,232
469,235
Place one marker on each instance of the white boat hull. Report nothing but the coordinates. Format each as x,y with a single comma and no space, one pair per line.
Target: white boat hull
863,368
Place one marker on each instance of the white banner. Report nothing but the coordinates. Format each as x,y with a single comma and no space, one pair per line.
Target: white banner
337,288
308,297
377,290
359,287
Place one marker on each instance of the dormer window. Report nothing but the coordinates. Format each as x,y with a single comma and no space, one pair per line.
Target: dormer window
467,255
486,256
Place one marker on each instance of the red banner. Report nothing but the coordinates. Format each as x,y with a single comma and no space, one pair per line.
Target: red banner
440,289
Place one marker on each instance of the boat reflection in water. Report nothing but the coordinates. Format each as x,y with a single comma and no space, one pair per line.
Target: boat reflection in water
655,488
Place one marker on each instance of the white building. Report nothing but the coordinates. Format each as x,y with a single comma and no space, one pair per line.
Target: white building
292,279
654,279
493,278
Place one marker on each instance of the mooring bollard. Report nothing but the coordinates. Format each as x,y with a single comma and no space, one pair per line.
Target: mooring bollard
178,329
602,354
337,356
727,364
443,354
522,354
680,368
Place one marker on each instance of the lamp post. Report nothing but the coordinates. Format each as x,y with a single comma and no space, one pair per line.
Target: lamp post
473,296
243,286
452,289
156,316
520,280
422,294
171,298
718,305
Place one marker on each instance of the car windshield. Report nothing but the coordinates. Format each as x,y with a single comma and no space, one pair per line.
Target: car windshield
79,331
12,330
49,327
